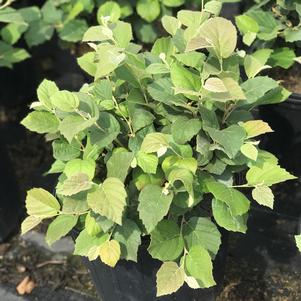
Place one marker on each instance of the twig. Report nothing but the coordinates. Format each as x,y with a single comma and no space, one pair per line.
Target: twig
42,264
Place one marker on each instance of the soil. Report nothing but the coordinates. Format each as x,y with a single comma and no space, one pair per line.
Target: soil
290,78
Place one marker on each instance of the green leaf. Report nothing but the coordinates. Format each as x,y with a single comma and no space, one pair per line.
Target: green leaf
201,231
12,32
91,225
41,204
172,162
87,63
98,33
166,241
60,227
184,129
107,132
231,139
155,142
109,199
45,90
256,62
263,195
282,57
41,122
122,32
250,151
128,236
190,18
213,7
73,31
65,101
170,24
153,205
148,10
118,165
110,252
10,15
109,9
85,242
111,56
186,177
38,33
183,78
256,128
64,151
199,265
170,278
73,125
298,241
86,166
267,174
74,184
235,200
224,218
173,3
246,24
219,35
29,223
147,162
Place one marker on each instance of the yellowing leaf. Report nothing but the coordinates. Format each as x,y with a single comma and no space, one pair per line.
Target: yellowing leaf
29,223
214,84
154,142
109,252
250,151
40,203
256,127
263,195
170,278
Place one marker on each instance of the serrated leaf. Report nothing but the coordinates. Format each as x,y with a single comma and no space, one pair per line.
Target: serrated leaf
122,32
166,241
224,218
267,174
60,227
170,24
283,57
235,200
128,236
147,162
153,205
201,231
73,31
97,34
91,225
118,165
256,128
45,90
29,223
109,252
170,278
109,199
74,184
40,203
172,162
64,151
263,195
199,265
41,122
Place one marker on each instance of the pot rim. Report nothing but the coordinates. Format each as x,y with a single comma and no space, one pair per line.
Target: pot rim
294,98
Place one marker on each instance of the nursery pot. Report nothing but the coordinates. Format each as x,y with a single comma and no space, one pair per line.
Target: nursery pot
130,281
285,142
10,204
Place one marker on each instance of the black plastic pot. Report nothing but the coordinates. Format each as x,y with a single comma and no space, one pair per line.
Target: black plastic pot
10,204
285,142
130,281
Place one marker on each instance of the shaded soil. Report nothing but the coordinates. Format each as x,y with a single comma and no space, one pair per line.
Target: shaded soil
290,79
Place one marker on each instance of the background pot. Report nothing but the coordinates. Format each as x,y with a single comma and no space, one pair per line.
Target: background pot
285,142
130,281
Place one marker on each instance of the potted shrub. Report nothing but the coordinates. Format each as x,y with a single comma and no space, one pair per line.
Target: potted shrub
272,29
147,154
